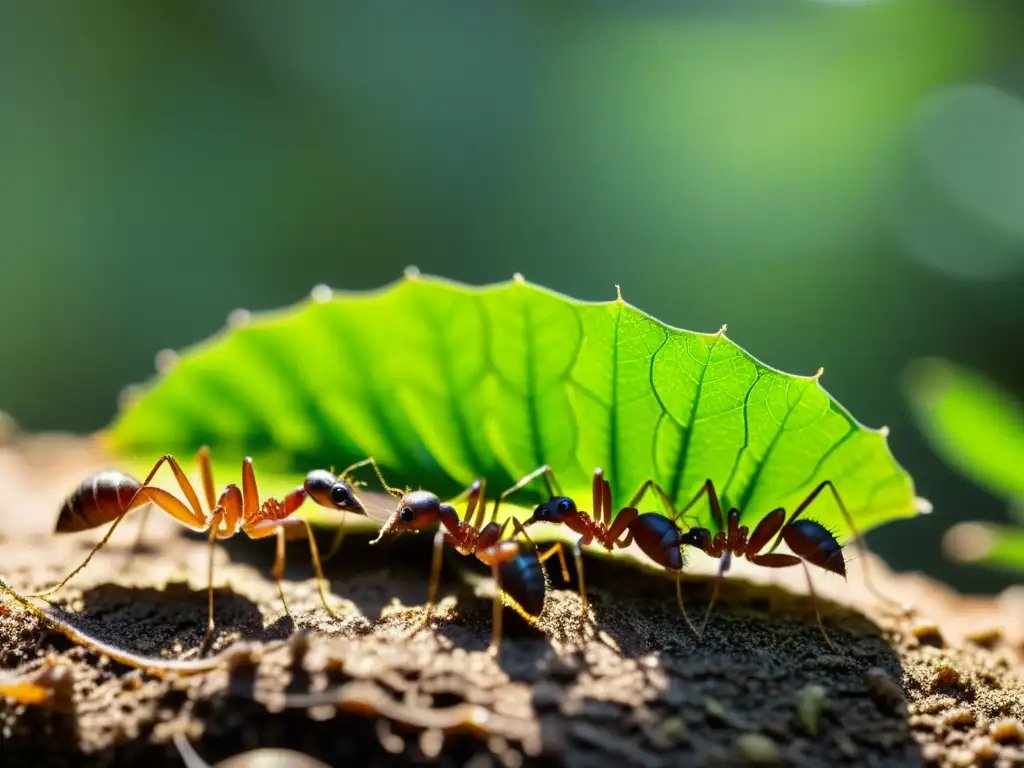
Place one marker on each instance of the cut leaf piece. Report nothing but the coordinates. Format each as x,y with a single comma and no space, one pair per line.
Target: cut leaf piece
444,383
971,423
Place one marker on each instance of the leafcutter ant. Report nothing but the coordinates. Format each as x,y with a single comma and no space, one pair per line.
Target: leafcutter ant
110,495
809,541
657,536
518,573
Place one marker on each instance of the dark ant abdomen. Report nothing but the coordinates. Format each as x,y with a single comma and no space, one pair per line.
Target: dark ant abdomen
523,579
815,543
659,538
101,498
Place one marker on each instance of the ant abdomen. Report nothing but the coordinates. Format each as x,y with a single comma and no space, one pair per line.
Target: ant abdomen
523,579
659,538
100,498
816,544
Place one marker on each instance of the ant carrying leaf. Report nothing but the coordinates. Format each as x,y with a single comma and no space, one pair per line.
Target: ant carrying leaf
518,573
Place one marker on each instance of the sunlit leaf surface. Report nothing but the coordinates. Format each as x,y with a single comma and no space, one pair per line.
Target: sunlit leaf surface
444,383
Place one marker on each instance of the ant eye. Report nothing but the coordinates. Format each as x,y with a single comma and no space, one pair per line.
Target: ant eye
563,505
339,494
406,515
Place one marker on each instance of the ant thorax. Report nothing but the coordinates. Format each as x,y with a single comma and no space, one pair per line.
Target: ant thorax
271,509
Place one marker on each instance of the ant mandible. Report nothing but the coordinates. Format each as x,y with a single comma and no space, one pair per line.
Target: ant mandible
518,574
809,540
110,495
657,536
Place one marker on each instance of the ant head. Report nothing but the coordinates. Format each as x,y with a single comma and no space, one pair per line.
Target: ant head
697,537
328,491
555,510
417,509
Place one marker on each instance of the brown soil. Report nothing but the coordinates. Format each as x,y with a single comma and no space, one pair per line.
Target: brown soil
762,687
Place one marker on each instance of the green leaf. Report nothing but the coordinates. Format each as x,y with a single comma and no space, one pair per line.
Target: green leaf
990,544
444,383
971,423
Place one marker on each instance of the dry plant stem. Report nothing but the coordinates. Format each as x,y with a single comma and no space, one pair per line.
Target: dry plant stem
361,698
157,667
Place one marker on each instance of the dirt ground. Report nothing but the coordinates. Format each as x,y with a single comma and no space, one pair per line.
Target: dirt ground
939,683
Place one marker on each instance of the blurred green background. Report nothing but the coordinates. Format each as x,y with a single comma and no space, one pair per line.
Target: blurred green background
840,182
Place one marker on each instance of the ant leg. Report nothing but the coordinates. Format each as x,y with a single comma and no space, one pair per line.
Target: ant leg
771,560
202,459
861,544
606,502
206,475
621,525
597,495
723,566
716,506
817,612
137,545
577,552
262,530
477,500
320,580
166,501
556,548
497,612
187,516
549,480
435,581
682,608
208,637
338,538
662,494
278,570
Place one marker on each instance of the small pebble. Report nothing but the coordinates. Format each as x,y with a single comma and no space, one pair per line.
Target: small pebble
846,745
431,742
674,728
809,706
959,716
928,632
962,758
945,674
886,692
933,753
1007,731
986,637
716,711
758,749
983,748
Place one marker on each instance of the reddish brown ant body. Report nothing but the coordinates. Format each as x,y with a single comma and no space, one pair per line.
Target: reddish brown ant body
109,496
809,540
517,573
658,536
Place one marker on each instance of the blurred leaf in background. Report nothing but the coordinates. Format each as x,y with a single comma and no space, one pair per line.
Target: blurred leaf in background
978,428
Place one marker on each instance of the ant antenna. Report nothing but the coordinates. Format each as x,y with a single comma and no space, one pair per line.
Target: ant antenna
392,491
372,461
